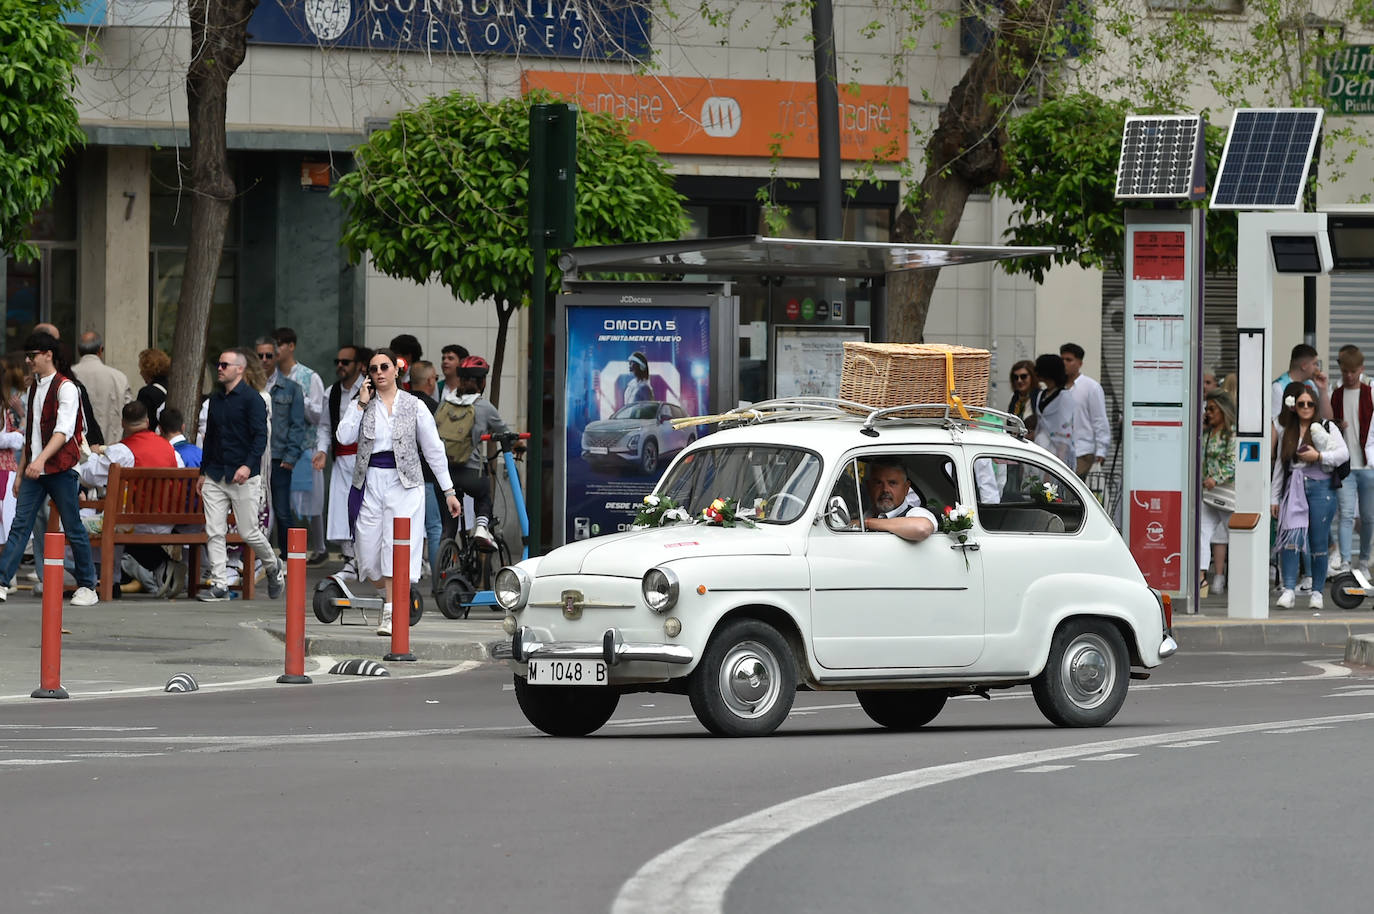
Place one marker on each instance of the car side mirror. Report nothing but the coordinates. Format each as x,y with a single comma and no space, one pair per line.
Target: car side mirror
836,513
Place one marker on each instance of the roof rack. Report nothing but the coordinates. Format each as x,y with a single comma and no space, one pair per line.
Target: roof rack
790,409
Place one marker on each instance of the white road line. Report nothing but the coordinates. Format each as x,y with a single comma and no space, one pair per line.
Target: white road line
1038,769
32,762
1111,756
1299,729
1353,693
1189,743
692,877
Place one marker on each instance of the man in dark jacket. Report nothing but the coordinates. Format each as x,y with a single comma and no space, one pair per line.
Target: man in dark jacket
235,437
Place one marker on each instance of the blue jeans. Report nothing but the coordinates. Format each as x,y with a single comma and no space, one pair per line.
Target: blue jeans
1321,509
281,503
1358,490
434,530
64,489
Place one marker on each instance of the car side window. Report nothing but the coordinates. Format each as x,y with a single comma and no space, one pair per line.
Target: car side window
891,485
1018,496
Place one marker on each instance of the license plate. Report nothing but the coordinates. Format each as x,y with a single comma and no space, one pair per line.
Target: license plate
567,672
598,450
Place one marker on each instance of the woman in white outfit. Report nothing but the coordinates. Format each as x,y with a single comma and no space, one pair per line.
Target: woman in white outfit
394,432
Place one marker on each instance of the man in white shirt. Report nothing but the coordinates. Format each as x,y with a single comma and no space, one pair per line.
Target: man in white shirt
896,506
47,467
1092,432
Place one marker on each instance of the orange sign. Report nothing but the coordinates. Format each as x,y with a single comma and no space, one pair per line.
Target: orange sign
736,117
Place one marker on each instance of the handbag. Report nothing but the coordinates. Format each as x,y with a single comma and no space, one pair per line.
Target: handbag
1221,497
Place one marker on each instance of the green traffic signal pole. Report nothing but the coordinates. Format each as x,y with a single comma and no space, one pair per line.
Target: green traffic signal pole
552,195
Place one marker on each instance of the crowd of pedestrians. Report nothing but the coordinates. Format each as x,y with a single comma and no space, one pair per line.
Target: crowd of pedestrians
263,440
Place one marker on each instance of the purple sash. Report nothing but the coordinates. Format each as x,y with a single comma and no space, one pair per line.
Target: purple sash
382,460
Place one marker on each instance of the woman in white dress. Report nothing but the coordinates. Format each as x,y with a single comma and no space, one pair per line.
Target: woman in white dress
394,432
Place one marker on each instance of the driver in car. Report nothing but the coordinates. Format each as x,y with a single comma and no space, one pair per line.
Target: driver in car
896,506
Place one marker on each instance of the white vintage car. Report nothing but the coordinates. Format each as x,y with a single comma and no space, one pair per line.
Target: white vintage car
1039,589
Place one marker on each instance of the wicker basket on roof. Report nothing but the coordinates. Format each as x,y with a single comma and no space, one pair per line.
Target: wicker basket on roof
891,374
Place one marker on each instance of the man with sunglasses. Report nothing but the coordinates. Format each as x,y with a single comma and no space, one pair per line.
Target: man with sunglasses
47,467
235,437
349,367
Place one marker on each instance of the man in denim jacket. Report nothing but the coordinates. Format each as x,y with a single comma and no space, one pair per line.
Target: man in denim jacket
288,434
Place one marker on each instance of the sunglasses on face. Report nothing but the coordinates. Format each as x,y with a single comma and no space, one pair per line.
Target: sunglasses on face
267,356
344,361
1305,404
1020,377
224,365
32,353
378,369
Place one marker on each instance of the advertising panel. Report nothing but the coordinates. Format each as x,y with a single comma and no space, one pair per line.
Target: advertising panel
629,372
1349,80
737,117
593,29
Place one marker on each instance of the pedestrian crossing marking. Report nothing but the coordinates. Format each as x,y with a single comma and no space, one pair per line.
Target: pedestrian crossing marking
1110,756
1039,769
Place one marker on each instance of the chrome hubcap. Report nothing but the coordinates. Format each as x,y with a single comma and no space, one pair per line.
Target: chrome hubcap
748,679
1089,671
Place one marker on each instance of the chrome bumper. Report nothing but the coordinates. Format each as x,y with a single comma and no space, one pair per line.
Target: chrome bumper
1168,648
613,649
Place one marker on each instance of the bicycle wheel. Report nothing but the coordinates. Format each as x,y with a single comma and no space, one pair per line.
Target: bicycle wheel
449,557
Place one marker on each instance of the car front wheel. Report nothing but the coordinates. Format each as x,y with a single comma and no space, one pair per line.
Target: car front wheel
1085,678
566,710
904,710
746,681
649,460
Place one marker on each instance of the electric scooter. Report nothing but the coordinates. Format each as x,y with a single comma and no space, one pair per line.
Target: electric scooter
1349,588
333,595
459,595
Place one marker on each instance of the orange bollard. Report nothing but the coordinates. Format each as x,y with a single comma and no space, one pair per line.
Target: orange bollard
400,591
295,607
50,654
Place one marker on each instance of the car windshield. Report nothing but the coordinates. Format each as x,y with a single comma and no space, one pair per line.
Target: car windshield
772,484
637,411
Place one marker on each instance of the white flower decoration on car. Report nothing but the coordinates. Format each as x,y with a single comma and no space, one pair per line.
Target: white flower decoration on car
651,500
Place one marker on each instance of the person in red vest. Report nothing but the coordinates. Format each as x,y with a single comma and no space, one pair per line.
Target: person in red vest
53,431
147,563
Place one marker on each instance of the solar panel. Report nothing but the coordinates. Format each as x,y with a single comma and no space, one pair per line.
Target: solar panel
1161,158
1268,153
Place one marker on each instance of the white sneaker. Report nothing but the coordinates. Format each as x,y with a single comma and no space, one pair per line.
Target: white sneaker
483,538
84,596
4,593
385,627
1218,585
1305,585
1285,600
1314,601
1333,564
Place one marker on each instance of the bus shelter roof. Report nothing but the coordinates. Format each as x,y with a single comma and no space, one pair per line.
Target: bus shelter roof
740,255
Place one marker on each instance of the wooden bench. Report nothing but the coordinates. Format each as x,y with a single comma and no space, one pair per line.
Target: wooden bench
157,495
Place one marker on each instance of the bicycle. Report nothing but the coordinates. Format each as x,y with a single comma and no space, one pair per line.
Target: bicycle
466,571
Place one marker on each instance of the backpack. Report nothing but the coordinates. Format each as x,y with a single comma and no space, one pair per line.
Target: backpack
455,430
1342,470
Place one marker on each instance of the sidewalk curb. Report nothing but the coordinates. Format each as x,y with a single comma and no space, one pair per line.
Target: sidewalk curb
1359,649
368,644
1247,634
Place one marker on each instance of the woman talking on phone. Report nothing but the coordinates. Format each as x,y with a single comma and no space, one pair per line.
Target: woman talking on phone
394,432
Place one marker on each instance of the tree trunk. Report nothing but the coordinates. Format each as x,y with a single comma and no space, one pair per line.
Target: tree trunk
219,41
967,151
504,310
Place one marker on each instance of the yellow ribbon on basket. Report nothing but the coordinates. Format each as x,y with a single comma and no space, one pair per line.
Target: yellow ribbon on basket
950,396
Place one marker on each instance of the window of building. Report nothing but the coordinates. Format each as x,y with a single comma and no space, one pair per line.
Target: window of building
45,289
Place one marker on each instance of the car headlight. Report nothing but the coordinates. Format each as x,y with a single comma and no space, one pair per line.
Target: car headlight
660,589
632,441
512,588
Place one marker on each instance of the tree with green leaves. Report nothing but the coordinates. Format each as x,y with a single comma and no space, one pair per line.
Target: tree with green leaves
1153,58
38,117
442,193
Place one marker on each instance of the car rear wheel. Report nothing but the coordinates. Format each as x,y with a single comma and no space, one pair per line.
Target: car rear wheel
1085,678
904,710
746,681
566,710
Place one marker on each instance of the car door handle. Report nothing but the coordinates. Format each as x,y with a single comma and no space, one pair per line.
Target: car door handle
971,546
